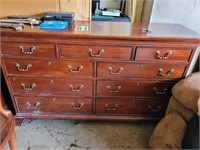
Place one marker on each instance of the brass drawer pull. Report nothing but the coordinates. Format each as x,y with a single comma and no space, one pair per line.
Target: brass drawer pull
117,72
28,88
154,110
74,71
166,55
32,49
113,91
160,92
34,106
76,90
23,69
160,72
111,108
77,107
95,55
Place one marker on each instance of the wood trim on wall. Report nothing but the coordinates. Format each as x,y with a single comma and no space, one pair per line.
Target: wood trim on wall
27,7
82,8
137,11
129,8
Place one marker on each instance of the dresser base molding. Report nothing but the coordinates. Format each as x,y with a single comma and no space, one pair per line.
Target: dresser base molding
21,120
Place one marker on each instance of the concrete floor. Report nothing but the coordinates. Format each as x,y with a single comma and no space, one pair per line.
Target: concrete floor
69,135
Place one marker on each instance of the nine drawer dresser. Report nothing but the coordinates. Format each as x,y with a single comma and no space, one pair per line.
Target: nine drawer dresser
113,71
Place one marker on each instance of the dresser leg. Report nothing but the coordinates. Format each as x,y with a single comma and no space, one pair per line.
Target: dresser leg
18,121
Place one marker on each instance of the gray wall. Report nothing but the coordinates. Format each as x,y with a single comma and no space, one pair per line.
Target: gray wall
186,12
110,4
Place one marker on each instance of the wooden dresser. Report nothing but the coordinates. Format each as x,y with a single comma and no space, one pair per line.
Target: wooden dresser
113,71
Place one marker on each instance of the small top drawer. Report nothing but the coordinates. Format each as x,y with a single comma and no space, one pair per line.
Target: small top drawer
163,54
28,49
92,52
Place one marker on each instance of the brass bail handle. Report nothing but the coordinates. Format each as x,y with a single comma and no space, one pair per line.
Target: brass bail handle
75,71
113,91
28,88
76,90
159,92
110,107
34,106
117,72
23,69
165,56
169,72
32,49
77,107
95,55
154,110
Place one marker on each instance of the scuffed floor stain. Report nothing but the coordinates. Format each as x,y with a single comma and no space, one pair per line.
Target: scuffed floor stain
73,144
76,145
75,122
28,148
64,135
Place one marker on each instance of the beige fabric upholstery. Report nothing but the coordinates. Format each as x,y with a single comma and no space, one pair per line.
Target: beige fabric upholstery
169,132
187,91
175,106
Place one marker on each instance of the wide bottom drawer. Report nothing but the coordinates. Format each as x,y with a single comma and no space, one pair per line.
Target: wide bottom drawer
54,105
131,106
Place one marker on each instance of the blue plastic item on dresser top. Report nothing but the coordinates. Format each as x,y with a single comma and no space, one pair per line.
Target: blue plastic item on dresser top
54,25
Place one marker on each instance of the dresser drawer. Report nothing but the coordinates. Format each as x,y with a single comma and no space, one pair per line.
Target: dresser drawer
131,106
48,67
90,52
51,86
134,88
54,105
163,54
28,49
140,70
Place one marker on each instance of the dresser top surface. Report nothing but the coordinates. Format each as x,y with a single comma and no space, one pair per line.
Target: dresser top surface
112,30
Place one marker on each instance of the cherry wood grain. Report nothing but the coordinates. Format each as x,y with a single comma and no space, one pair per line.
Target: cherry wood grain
113,30
134,88
54,105
49,67
163,54
140,70
130,106
90,52
52,86
28,49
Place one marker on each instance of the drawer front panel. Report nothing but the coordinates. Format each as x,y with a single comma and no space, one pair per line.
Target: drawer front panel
163,54
140,70
95,52
52,86
28,49
128,106
134,88
49,67
54,105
